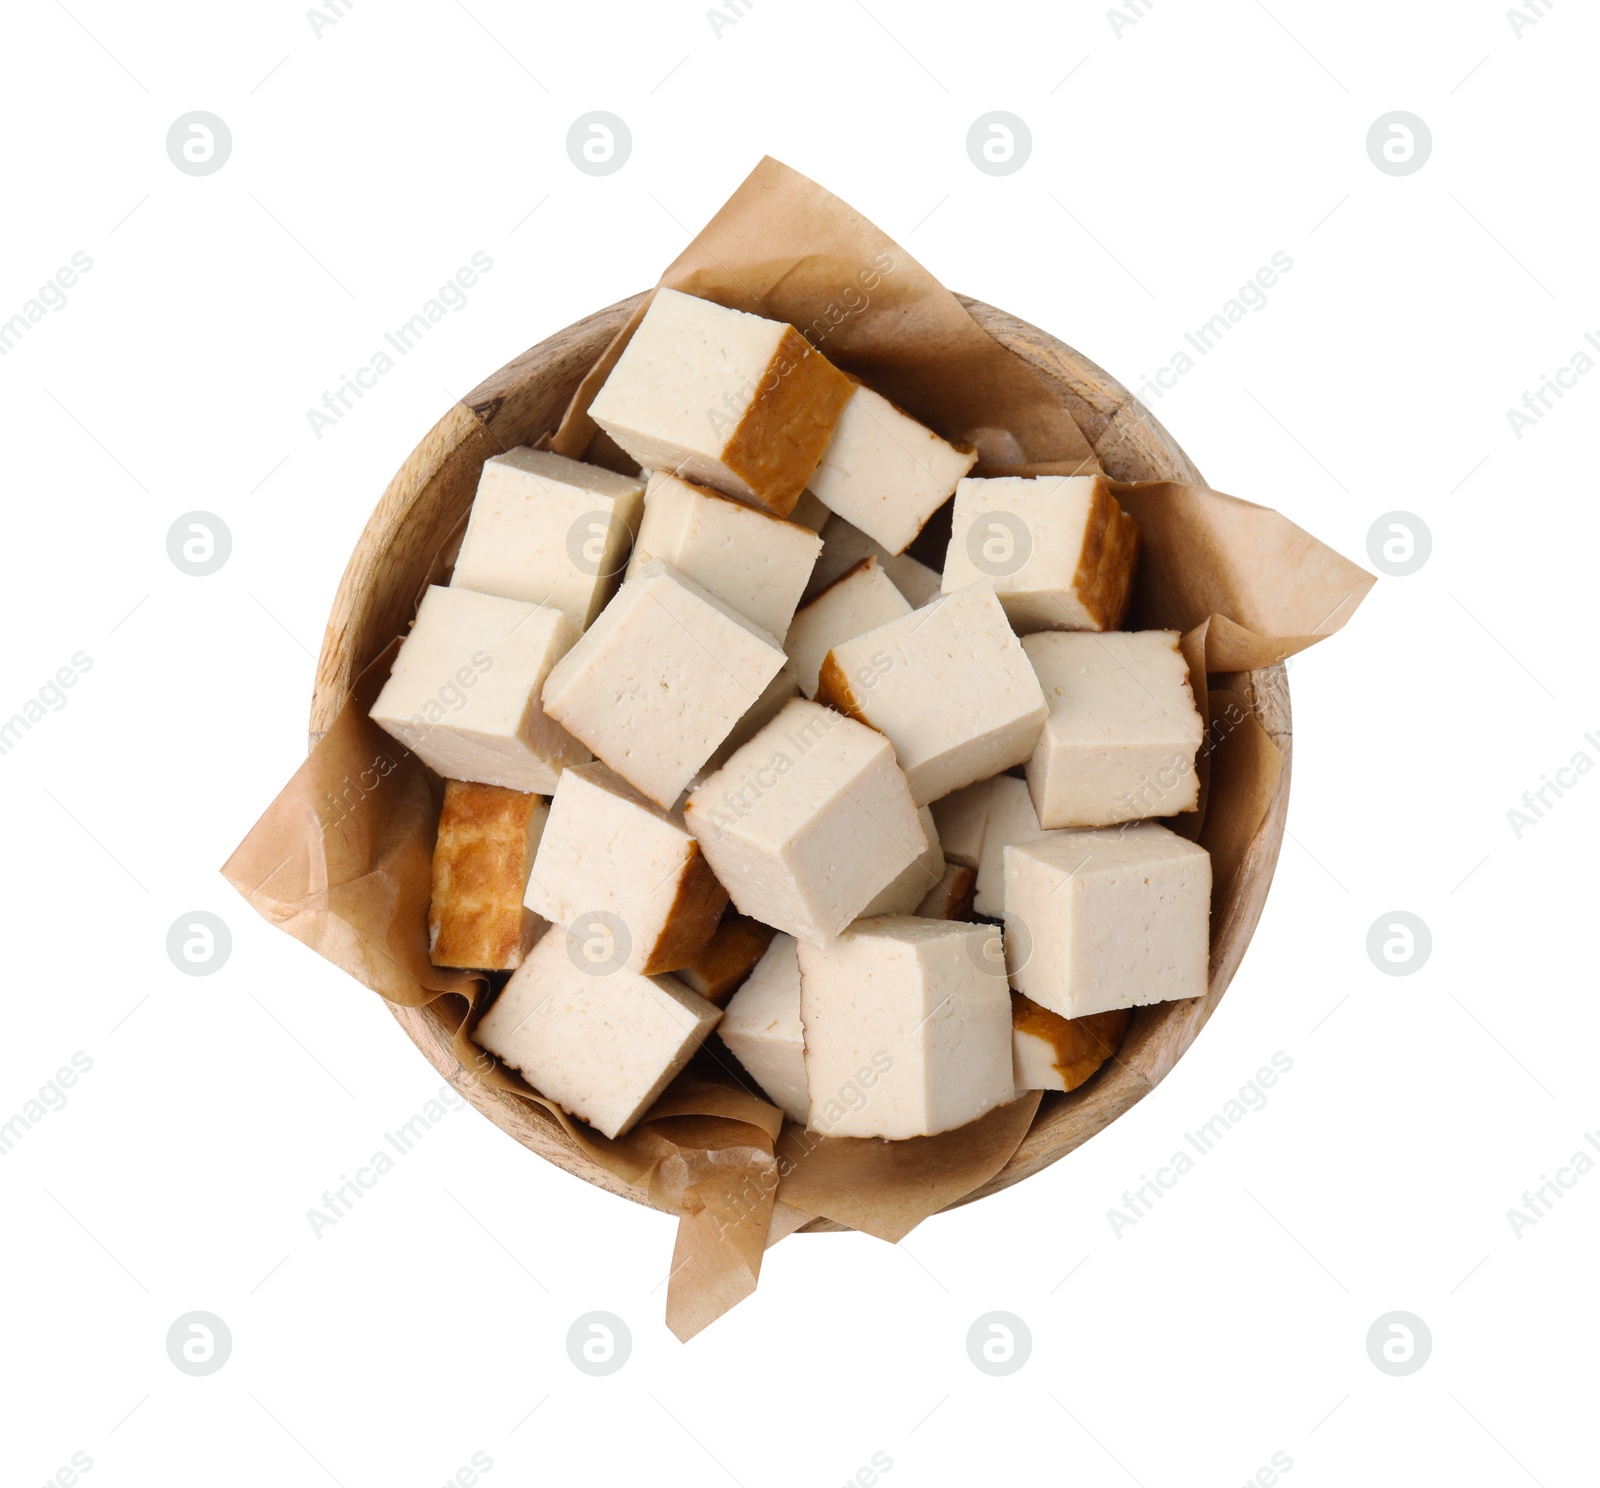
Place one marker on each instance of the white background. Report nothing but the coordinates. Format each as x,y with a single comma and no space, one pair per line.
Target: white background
1180,153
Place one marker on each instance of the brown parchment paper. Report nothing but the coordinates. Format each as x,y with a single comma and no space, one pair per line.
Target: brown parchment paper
341,858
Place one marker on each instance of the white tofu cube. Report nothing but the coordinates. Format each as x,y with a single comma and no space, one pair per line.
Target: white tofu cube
761,1027
949,684
749,559
611,855
809,512
601,1045
844,546
914,579
756,717
1049,1052
724,398
861,599
1057,549
660,679
907,1029
961,817
1123,731
463,694
807,822
951,897
1010,819
1109,918
884,472
917,881
549,530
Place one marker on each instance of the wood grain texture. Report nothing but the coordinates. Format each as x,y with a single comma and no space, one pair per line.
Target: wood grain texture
410,541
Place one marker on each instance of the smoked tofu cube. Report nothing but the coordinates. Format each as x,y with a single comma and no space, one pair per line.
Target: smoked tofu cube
1010,819
1057,549
723,963
481,859
549,530
463,695
951,897
885,473
602,1047
1049,1052
723,398
907,1029
1123,731
807,822
660,679
921,877
749,559
1109,918
961,817
844,546
761,1027
950,686
861,599
610,854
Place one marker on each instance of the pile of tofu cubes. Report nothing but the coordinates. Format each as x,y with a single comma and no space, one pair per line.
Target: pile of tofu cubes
721,755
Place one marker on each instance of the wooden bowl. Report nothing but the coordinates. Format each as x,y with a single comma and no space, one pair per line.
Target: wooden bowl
408,543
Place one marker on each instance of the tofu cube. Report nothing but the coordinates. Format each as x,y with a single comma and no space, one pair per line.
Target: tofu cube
724,398
463,694
914,579
660,679
844,546
885,473
1123,731
861,599
481,859
610,853
949,684
549,530
951,897
961,817
807,822
749,559
1108,918
907,1029
1011,819
761,1027
602,1047
809,512
756,717
722,965
1057,549
1050,1052
917,881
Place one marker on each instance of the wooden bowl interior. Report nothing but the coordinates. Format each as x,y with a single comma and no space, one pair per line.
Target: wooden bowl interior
409,543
